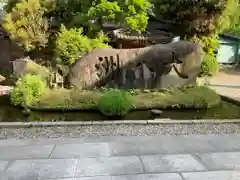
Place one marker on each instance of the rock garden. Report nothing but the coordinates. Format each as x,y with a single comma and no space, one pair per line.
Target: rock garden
65,63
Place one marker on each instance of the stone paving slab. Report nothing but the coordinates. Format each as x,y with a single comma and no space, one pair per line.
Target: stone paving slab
109,166
228,87
80,150
25,152
226,143
122,139
212,175
87,178
169,176
171,163
161,146
44,168
135,148
187,145
3,165
219,161
122,158
156,138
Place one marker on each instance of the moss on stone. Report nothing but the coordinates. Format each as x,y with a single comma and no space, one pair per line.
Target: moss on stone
188,97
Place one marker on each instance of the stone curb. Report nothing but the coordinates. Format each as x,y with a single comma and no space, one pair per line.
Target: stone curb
116,122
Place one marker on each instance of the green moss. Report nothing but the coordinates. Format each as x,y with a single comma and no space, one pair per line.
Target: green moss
115,103
190,97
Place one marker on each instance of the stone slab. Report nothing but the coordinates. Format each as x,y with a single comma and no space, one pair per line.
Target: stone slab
181,144
25,152
212,175
226,143
120,138
87,178
12,142
129,177
109,166
80,150
169,176
3,165
221,161
171,163
42,168
135,148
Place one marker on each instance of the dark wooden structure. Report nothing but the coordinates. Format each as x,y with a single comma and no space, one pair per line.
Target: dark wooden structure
123,39
158,32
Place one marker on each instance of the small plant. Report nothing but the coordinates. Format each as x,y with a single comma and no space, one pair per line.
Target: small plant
30,86
115,103
71,44
209,44
210,65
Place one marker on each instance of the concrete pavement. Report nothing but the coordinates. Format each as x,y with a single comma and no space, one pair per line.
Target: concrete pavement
227,83
122,158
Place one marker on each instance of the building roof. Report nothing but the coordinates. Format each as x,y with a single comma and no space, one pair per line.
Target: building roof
150,36
230,36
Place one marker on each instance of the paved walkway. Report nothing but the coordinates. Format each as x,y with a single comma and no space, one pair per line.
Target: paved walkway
122,158
227,83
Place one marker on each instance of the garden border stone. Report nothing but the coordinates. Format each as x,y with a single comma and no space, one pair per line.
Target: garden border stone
230,99
113,122
119,122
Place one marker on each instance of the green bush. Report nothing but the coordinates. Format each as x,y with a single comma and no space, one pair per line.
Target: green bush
71,44
198,97
32,85
115,103
26,24
10,5
233,17
210,65
209,44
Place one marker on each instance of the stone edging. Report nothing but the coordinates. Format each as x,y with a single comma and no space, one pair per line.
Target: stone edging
114,122
230,99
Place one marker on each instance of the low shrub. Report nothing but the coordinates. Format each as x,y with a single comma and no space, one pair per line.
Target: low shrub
32,85
115,103
71,44
210,65
209,45
199,97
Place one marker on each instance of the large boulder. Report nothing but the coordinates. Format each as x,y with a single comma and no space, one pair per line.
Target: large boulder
25,66
157,66
2,78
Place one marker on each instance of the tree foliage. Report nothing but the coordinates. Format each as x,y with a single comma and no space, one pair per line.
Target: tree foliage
127,13
233,17
201,21
71,44
26,25
197,17
31,31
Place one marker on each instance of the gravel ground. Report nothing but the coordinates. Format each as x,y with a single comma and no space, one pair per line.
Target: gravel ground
117,130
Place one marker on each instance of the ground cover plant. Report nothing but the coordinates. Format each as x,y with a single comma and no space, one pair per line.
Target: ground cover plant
116,102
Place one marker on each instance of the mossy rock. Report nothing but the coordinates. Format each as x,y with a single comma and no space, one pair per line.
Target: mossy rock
182,98
25,66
